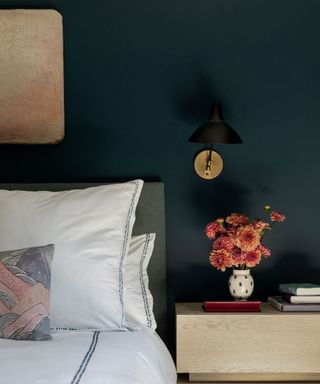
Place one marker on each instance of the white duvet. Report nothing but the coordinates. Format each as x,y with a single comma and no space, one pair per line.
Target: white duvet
138,357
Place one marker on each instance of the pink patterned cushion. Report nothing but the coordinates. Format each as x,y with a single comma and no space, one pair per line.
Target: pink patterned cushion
24,293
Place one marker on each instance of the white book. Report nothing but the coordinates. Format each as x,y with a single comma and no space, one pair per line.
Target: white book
302,299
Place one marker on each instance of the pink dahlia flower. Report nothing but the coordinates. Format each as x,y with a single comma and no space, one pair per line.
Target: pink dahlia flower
231,231
223,242
277,216
247,238
237,219
265,251
238,257
260,225
253,258
221,259
213,229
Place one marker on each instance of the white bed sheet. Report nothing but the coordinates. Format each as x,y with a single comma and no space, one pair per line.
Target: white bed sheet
138,357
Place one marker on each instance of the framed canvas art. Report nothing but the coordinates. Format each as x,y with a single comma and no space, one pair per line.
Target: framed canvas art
31,77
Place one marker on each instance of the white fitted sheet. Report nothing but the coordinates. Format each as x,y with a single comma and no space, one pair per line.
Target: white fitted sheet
138,357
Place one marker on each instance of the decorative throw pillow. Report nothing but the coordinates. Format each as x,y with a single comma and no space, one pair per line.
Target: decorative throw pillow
24,293
137,296
91,229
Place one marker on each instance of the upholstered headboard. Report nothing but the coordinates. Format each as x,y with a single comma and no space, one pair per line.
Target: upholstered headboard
150,219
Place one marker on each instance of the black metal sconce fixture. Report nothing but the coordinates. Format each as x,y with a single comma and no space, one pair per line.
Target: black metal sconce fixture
208,163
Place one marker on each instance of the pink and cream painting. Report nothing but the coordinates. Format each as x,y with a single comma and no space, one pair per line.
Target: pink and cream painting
24,293
31,77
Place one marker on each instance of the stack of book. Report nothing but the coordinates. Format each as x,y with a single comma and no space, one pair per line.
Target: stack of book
297,298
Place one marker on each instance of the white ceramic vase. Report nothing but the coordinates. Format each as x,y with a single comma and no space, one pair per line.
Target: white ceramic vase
241,284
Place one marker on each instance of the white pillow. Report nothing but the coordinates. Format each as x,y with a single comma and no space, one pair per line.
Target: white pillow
91,229
137,296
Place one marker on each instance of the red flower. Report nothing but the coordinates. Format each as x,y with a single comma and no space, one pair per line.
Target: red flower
261,225
238,257
237,219
277,216
231,231
253,258
213,229
221,259
247,238
265,251
223,242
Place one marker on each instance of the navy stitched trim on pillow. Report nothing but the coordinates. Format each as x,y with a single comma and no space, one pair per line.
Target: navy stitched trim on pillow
143,287
125,248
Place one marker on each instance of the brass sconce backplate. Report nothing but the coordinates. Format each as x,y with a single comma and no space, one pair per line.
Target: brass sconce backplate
208,168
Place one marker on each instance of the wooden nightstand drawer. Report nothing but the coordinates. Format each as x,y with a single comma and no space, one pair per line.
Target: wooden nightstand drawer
272,344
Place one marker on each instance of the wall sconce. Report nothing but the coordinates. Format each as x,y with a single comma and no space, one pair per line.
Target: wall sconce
208,163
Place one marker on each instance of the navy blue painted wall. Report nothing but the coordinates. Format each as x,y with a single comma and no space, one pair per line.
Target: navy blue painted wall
140,77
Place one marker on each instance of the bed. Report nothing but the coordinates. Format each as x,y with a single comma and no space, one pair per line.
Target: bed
137,355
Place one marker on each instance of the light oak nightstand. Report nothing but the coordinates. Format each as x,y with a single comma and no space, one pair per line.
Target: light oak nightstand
255,346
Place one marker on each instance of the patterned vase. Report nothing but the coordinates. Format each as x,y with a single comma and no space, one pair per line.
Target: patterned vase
241,284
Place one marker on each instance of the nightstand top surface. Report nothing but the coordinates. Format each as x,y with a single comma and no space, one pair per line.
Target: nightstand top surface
195,309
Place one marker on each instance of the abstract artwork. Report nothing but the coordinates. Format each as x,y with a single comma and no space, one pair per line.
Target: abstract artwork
31,77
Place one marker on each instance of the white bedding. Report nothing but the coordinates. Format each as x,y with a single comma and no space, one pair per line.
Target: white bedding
138,357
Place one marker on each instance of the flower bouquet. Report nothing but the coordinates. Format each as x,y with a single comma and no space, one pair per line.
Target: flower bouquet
237,244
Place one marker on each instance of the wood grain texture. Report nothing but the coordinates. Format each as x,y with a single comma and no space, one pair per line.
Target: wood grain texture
253,377
31,77
266,342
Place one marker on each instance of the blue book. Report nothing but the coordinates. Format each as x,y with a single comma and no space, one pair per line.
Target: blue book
300,289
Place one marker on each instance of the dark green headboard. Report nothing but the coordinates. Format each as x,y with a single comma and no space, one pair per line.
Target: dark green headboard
150,219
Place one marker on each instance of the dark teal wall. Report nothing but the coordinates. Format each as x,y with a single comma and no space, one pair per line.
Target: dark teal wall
140,77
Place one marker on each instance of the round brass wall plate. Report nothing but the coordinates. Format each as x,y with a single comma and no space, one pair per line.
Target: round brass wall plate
200,164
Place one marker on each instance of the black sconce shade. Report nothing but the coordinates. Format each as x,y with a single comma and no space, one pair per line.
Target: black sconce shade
215,130
208,163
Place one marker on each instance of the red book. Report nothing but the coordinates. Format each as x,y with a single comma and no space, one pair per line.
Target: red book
231,306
